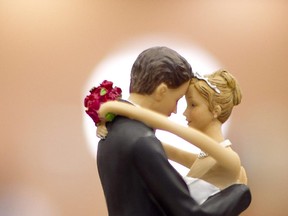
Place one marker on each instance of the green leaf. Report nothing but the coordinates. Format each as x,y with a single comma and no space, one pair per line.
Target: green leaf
103,91
109,116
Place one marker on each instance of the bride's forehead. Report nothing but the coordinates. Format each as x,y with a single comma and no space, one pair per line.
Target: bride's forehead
193,94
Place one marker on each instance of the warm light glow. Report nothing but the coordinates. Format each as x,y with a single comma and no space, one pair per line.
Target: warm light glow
116,68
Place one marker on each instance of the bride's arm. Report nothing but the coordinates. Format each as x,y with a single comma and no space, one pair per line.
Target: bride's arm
180,156
225,157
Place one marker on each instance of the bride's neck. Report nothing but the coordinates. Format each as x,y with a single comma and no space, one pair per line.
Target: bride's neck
215,132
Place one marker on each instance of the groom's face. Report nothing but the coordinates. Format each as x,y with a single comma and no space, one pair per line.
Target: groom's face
168,103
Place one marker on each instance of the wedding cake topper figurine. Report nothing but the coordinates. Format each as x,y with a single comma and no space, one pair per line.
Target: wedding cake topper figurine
135,173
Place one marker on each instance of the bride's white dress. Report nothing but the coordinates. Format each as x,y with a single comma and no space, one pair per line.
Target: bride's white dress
200,190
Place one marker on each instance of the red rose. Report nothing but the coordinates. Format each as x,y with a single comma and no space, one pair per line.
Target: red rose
93,115
107,85
98,95
114,93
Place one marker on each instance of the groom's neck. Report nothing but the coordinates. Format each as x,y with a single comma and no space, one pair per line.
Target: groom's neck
145,101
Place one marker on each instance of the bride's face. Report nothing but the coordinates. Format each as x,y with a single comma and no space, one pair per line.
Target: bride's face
197,112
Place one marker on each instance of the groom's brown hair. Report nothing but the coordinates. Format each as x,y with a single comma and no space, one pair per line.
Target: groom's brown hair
158,65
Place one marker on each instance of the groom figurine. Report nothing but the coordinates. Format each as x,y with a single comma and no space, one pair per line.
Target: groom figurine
136,176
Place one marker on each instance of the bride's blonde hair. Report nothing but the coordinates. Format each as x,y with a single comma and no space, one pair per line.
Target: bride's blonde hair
230,93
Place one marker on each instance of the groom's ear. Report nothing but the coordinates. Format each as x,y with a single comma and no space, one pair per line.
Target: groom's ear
160,91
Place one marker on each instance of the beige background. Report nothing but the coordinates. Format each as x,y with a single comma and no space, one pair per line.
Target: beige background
48,50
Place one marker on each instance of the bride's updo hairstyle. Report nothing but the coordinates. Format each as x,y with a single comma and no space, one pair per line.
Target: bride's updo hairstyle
226,92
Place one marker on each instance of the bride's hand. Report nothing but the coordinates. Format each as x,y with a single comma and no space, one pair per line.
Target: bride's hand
101,131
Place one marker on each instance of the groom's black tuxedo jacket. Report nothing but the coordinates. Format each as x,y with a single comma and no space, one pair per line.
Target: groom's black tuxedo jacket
138,180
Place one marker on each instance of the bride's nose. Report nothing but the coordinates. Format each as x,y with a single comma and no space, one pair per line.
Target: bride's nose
184,113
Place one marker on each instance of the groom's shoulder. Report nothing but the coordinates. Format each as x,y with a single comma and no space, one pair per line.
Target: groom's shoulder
129,129
123,123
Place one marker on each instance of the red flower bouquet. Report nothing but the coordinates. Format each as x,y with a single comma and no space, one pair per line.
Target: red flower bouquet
98,95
